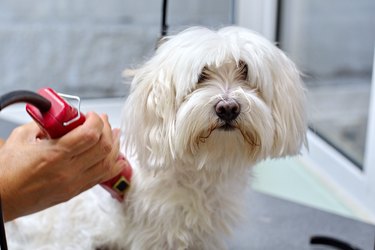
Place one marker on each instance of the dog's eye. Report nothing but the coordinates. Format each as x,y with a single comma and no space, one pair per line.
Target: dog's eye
242,70
204,76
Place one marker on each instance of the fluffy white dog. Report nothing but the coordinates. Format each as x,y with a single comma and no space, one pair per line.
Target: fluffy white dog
201,112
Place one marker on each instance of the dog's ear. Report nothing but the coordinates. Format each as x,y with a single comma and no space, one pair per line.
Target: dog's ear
148,116
288,107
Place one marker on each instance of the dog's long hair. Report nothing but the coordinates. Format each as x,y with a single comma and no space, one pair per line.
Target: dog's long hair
173,96
194,162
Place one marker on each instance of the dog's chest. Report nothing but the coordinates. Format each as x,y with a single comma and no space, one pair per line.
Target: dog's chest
182,207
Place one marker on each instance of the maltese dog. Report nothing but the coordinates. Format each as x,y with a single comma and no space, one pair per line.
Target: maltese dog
202,111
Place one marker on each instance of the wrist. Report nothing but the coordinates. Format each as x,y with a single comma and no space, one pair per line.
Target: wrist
4,215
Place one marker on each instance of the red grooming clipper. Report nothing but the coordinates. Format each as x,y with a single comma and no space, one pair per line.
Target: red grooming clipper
62,118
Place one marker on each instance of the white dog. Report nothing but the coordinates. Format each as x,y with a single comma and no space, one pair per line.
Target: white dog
201,112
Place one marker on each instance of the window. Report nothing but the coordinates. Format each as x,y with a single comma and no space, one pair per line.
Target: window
82,47
333,44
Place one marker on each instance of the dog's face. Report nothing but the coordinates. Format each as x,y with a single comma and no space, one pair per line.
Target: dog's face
213,96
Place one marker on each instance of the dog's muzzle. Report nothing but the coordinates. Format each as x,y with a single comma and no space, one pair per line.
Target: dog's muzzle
227,110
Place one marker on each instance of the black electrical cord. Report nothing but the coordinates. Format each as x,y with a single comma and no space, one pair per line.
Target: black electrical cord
329,241
25,96
5,100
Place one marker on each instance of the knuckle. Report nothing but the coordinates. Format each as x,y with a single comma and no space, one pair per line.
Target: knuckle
92,136
96,121
106,147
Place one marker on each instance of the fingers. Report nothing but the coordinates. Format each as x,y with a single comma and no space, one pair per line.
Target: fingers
106,148
98,176
83,137
90,152
106,169
101,166
102,161
46,171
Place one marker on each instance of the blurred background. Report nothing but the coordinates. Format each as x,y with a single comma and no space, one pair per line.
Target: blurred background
82,47
333,44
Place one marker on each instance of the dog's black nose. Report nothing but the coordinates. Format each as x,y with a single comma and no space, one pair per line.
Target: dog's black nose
227,109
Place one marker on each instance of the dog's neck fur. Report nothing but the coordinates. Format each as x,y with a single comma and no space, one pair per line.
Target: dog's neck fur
200,176
184,197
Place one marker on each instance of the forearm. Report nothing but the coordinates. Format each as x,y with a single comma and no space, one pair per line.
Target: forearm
8,213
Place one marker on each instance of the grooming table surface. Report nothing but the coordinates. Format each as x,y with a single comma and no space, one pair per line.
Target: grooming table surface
274,223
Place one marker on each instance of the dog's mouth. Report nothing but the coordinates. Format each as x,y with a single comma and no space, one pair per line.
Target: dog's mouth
250,137
219,125
227,126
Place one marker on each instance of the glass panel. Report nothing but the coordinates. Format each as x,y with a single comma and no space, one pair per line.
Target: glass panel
82,47
333,44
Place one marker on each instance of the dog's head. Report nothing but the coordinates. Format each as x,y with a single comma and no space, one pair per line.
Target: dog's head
215,95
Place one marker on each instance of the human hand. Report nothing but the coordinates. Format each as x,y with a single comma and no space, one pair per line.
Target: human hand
36,173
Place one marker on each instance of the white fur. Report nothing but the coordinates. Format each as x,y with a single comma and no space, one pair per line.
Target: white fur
189,175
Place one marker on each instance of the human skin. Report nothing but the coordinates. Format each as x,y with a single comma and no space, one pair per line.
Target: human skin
37,172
